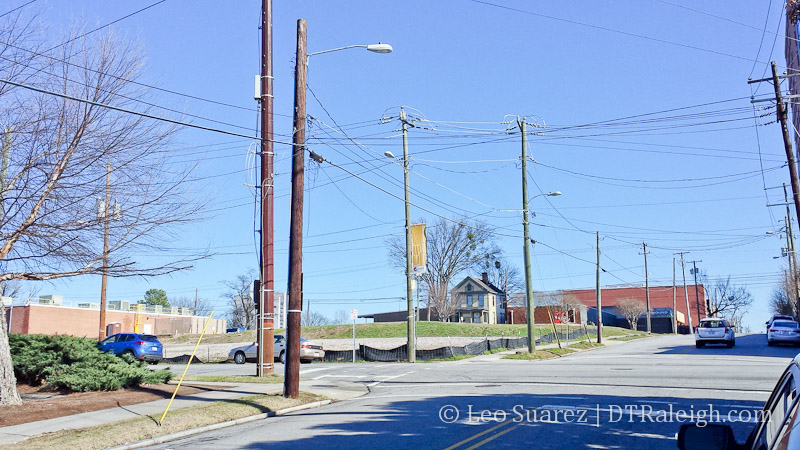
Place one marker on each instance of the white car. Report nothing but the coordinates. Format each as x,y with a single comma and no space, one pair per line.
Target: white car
713,330
783,332
309,351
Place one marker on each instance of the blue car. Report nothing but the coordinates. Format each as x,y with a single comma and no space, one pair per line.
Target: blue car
144,347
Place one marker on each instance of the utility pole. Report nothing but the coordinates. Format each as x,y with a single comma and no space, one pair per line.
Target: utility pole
792,254
103,284
787,143
674,301
696,292
598,293
646,285
266,319
530,304
291,385
686,293
411,331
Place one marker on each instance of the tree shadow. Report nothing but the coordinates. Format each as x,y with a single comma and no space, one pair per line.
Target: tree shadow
746,345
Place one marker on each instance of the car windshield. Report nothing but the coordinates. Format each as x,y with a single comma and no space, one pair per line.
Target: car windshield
712,324
784,324
148,338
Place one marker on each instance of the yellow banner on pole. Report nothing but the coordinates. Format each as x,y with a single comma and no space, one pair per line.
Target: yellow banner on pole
419,249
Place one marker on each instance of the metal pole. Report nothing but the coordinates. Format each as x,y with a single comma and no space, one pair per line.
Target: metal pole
792,254
686,294
674,301
104,282
354,340
266,323
696,292
530,303
598,293
646,285
292,370
412,348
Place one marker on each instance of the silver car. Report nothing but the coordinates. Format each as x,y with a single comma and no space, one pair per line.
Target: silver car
714,331
783,331
309,351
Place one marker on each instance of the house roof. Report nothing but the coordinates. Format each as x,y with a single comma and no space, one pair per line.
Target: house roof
481,285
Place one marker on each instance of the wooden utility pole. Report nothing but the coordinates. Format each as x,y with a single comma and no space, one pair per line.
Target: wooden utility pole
291,386
787,142
265,296
646,285
598,293
526,250
106,216
411,330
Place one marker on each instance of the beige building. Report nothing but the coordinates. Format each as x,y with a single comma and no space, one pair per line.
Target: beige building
475,300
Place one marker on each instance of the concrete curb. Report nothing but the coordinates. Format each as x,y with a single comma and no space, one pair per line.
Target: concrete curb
217,426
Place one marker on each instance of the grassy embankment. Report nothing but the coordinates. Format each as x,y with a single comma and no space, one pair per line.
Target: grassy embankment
396,330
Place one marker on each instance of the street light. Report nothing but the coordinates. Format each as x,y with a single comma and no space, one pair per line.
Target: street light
292,369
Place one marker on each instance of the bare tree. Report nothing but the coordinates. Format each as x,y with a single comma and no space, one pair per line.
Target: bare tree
66,152
199,306
315,319
728,300
631,309
781,299
341,317
242,311
454,247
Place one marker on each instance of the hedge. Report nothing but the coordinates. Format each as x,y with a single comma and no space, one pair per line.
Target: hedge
67,363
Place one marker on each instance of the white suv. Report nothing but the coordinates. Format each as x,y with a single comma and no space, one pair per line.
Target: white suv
714,331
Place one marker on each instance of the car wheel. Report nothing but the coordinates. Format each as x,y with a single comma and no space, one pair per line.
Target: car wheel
282,357
239,358
731,344
305,361
153,363
698,344
770,343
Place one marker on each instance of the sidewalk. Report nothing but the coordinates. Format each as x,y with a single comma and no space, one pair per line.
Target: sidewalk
15,433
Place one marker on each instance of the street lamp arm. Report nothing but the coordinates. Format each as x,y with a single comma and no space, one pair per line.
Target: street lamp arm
377,48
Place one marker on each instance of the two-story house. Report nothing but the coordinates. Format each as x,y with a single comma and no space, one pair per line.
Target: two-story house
476,301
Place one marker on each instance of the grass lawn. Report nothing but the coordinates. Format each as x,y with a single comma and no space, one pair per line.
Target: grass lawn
393,330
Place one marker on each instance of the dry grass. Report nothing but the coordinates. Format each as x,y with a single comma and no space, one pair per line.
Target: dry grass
132,430
273,378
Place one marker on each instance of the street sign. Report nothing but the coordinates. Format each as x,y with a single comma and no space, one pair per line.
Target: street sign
354,314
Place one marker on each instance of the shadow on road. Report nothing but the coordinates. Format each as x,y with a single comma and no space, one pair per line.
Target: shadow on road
746,345
514,421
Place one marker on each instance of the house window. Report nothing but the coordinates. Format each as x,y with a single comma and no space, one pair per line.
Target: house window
469,287
480,300
469,300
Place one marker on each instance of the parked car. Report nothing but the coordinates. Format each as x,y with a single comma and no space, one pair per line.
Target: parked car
778,317
144,347
309,351
714,331
775,426
783,331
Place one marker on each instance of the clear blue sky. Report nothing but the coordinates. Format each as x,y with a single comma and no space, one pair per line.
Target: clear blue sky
691,179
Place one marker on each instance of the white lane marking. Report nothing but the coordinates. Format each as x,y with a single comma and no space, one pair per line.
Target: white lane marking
387,378
303,372
338,376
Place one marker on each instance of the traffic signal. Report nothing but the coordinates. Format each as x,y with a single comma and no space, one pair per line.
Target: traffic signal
257,294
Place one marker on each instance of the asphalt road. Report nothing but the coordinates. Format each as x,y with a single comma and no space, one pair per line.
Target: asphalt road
632,395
